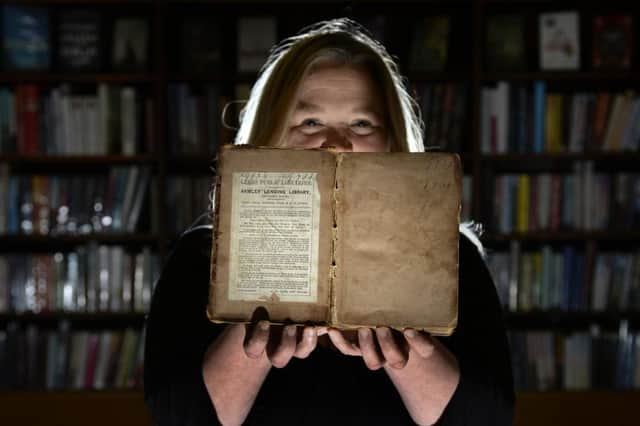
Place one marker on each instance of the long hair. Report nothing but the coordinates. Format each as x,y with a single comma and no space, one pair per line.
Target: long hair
263,119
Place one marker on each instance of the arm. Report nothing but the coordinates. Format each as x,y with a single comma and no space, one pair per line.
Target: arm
464,379
239,360
423,371
196,372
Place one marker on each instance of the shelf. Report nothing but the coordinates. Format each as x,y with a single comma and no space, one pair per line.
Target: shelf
555,320
563,237
81,319
49,242
126,407
81,160
560,162
577,408
74,408
628,77
192,164
44,76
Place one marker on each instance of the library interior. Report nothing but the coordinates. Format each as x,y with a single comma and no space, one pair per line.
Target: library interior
121,106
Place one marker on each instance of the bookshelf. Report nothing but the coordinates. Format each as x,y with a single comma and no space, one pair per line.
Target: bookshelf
181,171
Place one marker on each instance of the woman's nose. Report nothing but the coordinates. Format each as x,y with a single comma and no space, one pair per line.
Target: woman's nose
336,139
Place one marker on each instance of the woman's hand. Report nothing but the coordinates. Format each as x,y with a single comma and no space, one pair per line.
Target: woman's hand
382,346
280,343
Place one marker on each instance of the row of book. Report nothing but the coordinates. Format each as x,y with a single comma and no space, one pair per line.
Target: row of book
28,37
198,126
57,205
582,360
91,278
581,200
114,119
566,278
64,358
559,45
193,195
444,108
517,118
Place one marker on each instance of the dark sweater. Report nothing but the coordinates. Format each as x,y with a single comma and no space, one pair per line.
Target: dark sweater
327,388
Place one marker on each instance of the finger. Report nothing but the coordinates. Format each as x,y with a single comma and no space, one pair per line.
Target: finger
256,343
307,343
370,353
421,343
394,355
284,351
342,344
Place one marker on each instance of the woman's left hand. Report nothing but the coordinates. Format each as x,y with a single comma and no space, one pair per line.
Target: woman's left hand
383,346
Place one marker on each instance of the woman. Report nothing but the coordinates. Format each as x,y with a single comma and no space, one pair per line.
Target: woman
331,87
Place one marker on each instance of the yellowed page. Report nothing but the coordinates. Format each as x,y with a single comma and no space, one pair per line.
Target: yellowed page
272,244
397,251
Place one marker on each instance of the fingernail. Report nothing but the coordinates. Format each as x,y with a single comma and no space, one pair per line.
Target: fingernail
320,331
263,325
410,333
291,330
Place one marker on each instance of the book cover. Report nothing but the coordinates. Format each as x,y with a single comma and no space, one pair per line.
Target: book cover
345,239
25,37
559,41
256,36
505,43
430,44
201,46
130,44
612,41
79,40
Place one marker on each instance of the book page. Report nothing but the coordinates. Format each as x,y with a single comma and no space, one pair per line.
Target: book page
397,251
274,237
272,243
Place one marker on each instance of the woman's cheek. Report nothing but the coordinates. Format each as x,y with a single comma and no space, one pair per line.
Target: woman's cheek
298,139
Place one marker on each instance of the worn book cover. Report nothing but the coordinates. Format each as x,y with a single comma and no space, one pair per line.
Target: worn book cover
341,239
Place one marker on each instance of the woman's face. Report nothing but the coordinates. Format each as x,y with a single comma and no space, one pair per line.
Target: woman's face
338,107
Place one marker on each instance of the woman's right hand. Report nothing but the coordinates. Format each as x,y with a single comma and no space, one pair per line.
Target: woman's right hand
280,343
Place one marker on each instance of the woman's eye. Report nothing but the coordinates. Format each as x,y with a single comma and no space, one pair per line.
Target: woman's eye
311,122
310,125
362,127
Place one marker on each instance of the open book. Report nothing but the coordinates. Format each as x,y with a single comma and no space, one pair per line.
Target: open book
341,239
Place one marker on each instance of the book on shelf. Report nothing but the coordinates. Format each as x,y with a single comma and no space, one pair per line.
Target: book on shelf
612,41
305,236
79,40
201,45
430,44
130,44
25,37
505,43
256,35
559,39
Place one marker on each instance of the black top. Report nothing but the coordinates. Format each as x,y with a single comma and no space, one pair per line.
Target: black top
327,388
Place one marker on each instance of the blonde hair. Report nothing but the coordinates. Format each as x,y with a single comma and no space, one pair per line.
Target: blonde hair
340,41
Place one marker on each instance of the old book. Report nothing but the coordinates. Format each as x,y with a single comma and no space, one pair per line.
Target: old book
340,239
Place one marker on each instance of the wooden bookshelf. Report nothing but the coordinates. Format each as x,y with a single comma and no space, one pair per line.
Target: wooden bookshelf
466,67
71,408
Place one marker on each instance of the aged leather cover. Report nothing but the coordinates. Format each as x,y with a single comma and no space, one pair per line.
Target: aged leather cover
386,238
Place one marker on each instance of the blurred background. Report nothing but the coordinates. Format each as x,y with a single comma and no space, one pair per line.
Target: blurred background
111,114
